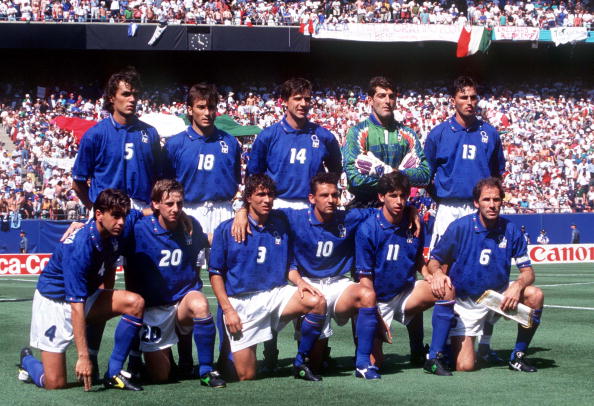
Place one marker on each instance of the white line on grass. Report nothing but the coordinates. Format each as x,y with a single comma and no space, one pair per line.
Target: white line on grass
22,280
569,307
566,284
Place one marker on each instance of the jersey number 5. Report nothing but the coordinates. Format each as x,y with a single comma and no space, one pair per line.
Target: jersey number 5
128,150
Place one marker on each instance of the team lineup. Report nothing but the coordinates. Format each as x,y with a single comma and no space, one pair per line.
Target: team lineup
289,256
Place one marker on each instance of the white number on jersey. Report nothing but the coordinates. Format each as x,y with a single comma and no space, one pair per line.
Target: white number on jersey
128,150
206,162
172,258
298,155
261,255
325,249
150,334
393,252
468,151
485,257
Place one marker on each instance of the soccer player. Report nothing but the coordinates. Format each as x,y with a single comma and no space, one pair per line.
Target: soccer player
380,145
120,152
477,250
461,151
249,280
68,297
388,256
163,269
293,150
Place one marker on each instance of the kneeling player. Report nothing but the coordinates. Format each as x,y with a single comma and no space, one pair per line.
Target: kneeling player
477,250
68,297
162,266
388,256
249,280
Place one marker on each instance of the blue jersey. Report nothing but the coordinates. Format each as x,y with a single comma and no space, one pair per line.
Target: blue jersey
260,263
77,267
389,254
209,168
323,250
292,157
459,157
480,258
161,264
125,157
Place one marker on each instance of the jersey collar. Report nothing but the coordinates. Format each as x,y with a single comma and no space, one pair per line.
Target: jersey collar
290,130
119,126
376,122
193,135
95,236
455,126
313,220
384,223
157,227
480,228
255,224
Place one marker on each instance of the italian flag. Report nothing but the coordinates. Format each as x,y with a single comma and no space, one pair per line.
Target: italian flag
473,39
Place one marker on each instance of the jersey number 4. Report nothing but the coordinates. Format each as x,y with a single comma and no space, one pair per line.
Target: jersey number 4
468,151
172,258
300,155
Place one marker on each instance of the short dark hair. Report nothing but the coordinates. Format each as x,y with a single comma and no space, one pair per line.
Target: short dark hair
203,91
112,200
461,82
253,182
330,178
295,86
166,186
379,81
487,182
129,75
394,181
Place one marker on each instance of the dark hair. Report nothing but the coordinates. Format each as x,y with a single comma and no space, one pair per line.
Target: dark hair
166,187
487,182
295,86
379,81
112,200
330,178
394,181
203,91
461,82
253,182
129,76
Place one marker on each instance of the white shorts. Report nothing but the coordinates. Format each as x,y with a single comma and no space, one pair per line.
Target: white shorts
394,309
51,322
332,288
448,211
260,314
297,204
158,328
471,318
210,214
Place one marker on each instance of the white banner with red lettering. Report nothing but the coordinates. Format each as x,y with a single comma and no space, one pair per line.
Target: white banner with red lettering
516,33
390,32
561,253
26,264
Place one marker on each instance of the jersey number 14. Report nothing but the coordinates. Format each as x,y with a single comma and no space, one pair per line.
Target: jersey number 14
300,155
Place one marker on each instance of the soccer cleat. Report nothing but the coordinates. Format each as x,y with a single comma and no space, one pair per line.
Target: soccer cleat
418,358
123,381
270,364
186,371
436,366
491,358
303,372
518,363
212,379
369,373
23,374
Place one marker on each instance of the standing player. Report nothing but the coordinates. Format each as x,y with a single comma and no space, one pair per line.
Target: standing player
120,152
293,150
477,250
162,266
69,296
388,256
249,280
461,151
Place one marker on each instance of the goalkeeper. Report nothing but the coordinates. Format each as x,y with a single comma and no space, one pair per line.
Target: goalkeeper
476,252
380,145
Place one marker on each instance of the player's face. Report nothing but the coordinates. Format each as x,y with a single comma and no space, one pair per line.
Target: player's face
465,102
394,202
489,205
298,105
203,114
170,209
261,201
124,101
383,103
110,223
325,200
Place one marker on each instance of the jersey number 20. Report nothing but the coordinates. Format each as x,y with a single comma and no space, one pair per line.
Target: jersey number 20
172,258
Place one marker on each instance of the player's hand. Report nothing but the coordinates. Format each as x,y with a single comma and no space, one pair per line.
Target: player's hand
84,371
186,222
369,164
511,297
232,322
439,284
71,229
240,227
410,161
303,287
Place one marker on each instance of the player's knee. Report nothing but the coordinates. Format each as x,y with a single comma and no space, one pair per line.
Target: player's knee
199,307
54,382
534,297
134,304
249,375
367,297
465,365
315,303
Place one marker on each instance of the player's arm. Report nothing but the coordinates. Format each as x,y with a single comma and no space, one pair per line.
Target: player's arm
81,188
257,161
415,165
84,167
440,281
334,161
84,366
296,279
365,255
232,320
240,227
350,152
512,295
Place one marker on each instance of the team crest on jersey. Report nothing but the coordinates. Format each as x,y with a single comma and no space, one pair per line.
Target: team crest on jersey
224,147
502,242
409,236
144,137
188,238
315,141
342,231
277,238
484,137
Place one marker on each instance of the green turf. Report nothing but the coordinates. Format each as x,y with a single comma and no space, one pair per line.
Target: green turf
562,350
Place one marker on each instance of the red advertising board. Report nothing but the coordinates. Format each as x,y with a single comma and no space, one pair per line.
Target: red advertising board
25,264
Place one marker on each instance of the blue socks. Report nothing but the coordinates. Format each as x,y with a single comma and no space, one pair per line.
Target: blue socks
525,334
204,337
365,329
34,368
311,328
441,320
125,333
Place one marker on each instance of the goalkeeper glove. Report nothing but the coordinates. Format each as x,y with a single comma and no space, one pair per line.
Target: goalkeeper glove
369,164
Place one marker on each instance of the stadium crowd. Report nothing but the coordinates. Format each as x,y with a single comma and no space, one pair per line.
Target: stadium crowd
539,13
547,132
